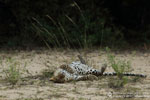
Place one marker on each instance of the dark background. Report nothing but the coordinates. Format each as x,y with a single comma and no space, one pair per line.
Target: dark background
68,23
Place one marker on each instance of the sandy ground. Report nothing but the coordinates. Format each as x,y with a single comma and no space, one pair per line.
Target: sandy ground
36,87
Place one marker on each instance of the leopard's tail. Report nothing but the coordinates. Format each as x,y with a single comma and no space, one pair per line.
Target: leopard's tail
124,74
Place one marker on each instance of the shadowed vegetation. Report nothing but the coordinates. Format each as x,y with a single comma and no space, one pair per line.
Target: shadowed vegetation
68,23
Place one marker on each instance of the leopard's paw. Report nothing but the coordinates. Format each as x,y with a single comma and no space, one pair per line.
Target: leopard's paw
92,77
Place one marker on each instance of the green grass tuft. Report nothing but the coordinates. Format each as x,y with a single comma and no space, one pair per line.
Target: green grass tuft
120,67
12,73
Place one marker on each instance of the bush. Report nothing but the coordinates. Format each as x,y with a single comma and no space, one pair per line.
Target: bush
76,24
83,30
120,67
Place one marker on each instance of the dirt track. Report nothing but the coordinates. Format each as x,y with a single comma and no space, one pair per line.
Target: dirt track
35,87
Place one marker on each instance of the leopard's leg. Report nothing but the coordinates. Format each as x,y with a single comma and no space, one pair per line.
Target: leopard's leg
67,68
97,72
87,77
81,59
103,68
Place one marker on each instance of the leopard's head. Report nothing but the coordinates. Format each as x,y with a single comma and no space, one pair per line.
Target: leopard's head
58,78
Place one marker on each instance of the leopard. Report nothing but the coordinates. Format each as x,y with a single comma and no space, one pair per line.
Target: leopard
78,71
